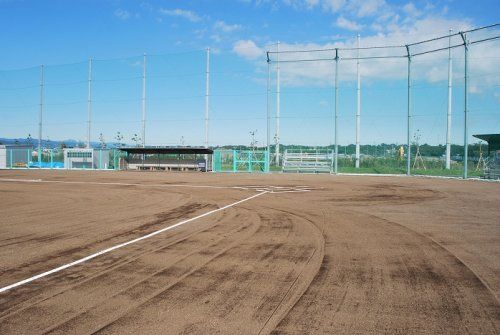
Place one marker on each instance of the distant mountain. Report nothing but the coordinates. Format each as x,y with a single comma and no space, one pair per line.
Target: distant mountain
53,144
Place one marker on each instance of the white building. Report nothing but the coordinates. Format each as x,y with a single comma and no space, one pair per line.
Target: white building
83,158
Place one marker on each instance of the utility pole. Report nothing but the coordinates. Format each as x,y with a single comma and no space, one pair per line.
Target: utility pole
89,103
268,111
448,115
144,101
40,116
336,109
466,92
277,137
358,111
207,96
408,135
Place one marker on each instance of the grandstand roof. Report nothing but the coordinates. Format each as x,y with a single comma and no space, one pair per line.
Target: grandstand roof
492,139
167,150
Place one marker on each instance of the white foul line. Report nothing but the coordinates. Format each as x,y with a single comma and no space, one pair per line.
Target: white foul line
105,251
117,183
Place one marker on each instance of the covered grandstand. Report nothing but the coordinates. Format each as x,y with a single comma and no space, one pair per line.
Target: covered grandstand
168,158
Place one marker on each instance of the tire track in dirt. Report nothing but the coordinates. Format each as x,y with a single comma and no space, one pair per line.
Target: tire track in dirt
240,273
22,295
139,267
300,288
383,278
130,298
84,231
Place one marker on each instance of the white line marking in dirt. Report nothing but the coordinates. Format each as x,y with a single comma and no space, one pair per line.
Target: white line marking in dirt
105,251
261,188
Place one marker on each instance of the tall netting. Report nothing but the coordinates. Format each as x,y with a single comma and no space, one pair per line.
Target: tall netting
20,104
176,99
411,108
237,102
350,107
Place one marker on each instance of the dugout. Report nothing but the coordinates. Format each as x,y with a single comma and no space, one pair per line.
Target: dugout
15,156
168,158
492,170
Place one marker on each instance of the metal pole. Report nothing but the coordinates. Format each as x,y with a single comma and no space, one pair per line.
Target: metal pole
207,96
448,116
89,103
144,101
466,130
277,149
207,104
268,111
336,109
40,116
408,135
358,111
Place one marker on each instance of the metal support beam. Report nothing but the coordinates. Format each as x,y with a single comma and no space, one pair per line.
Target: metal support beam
144,101
207,96
408,134
268,110
448,115
40,115
89,103
358,110
277,136
466,91
335,169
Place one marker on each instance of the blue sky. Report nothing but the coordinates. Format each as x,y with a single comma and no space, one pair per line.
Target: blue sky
63,35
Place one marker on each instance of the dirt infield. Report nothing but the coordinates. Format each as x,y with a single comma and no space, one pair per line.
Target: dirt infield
307,255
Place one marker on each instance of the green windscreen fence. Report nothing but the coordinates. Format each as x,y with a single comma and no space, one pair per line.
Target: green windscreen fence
240,161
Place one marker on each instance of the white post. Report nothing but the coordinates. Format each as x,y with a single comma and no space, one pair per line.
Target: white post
358,111
278,105
466,106
40,114
448,125
268,111
336,110
207,96
89,103
144,101
207,104
409,114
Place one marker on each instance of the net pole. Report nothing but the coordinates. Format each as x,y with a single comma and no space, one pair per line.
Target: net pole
207,96
448,115
335,169
408,125
278,106
268,112
466,130
40,115
358,110
89,103
144,101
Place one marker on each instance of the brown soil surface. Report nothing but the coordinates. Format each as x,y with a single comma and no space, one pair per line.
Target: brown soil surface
356,255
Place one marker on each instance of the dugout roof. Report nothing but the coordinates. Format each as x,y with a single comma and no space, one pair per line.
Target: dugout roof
168,150
492,139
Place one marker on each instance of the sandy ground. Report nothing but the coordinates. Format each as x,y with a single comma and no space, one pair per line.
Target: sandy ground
355,255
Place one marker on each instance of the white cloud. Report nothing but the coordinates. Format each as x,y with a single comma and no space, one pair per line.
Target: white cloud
411,10
344,23
367,7
122,14
333,5
186,14
248,49
430,68
226,28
